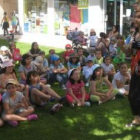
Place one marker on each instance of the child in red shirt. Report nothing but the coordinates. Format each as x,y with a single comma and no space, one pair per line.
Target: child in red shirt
67,53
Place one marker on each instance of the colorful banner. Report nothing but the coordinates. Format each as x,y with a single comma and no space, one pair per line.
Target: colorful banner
83,4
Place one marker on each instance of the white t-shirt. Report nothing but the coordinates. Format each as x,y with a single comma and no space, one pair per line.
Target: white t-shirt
87,71
118,76
107,68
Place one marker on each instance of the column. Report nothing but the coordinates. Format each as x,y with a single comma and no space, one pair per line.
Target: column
121,17
1,10
51,17
95,16
21,16
115,11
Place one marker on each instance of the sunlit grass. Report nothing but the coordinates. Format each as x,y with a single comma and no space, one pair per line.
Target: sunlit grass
104,122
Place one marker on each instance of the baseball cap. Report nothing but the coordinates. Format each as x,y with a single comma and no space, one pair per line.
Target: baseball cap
38,60
95,66
55,57
89,59
70,71
68,46
8,63
11,81
3,48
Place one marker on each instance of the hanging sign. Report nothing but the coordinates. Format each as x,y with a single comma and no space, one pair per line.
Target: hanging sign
83,4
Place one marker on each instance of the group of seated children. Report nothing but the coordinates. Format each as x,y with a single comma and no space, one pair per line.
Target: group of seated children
76,71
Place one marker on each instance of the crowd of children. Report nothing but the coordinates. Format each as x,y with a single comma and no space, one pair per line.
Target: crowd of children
94,68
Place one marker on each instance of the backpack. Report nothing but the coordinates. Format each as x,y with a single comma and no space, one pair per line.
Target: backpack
16,54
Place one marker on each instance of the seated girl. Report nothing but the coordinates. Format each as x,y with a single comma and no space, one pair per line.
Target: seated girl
108,67
15,106
38,93
74,62
58,72
101,90
34,51
6,73
76,94
121,80
98,57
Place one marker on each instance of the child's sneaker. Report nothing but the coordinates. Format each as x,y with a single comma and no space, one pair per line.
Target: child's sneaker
52,99
32,117
113,98
55,108
87,104
62,99
64,87
13,123
87,84
100,102
72,105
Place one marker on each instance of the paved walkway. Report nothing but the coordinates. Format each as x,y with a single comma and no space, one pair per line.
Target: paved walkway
42,39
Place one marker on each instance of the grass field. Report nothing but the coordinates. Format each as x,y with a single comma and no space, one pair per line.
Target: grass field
104,122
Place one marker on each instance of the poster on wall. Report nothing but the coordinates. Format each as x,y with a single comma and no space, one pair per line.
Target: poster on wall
83,4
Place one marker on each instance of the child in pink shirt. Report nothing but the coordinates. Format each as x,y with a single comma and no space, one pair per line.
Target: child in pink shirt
76,94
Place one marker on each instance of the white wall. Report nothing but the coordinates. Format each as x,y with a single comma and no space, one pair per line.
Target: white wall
51,17
96,18
1,10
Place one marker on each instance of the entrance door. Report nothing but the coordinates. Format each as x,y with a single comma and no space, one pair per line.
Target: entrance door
115,16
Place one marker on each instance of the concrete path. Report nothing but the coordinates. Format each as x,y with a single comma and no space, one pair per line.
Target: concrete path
42,39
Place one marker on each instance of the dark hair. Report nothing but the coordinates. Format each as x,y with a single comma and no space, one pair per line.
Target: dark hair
71,80
104,58
10,45
33,51
3,70
24,57
93,76
70,60
31,73
119,37
5,13
123,63
116,27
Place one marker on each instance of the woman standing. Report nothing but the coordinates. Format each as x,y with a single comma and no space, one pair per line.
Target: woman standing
5,22
134,92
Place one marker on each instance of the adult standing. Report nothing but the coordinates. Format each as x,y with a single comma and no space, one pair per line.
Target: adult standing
5,22
114,32
14,22
134,91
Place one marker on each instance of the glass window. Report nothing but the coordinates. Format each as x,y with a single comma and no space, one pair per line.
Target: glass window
35,16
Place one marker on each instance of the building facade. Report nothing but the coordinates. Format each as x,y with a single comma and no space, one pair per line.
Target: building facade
56,16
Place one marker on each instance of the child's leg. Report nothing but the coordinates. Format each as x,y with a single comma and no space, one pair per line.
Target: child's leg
1,122
95,98
50,92
70,99
27,112
13,117
36,93
60,79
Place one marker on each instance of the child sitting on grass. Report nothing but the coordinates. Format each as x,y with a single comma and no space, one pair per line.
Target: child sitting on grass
58,72
74,62
67,53
108,67
15,106
76,94
98,57
101,90
87,71
38,93
121,80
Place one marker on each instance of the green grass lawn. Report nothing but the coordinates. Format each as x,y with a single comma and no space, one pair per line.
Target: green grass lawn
104,122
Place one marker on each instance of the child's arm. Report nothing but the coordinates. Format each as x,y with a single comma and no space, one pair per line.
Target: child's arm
22,75
119,83
109,85
83,96
93,89
27,95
